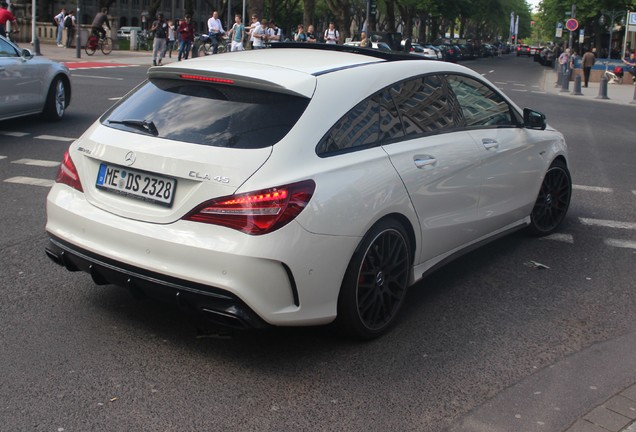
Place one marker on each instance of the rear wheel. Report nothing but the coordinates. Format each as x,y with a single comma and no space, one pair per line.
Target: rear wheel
56,100
553,201
375,283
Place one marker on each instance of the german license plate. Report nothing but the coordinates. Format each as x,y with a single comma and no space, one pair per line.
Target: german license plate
138,184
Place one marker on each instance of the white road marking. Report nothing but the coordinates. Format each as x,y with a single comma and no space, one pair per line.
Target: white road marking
500,83
592,188
566,238
620,243
519,90
31,181
95,76
539,92
55,138
14,134
608,223
3,157
36,162
518,84
115,98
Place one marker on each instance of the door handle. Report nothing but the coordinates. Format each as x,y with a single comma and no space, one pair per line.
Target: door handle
424,161
490,144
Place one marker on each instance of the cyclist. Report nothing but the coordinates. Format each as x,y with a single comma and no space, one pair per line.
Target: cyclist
215,31
6,16
630,61
97,28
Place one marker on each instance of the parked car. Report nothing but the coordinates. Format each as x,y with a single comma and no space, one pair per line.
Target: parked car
467,52
451,53
427,51
31,84
487,50
247,209
124,32
523,50
546,57
382,46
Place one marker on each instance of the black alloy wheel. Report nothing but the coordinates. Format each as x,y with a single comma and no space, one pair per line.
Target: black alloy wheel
553,201
375,283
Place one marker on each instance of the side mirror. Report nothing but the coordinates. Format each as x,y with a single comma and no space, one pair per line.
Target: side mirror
27,53
533,119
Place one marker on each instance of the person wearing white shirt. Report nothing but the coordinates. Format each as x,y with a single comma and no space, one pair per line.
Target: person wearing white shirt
260,35
252,29
215,30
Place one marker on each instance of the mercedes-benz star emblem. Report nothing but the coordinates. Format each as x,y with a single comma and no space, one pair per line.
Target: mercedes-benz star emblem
130,158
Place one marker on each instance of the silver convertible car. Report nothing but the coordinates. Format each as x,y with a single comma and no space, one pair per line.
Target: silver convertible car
302,184
31,84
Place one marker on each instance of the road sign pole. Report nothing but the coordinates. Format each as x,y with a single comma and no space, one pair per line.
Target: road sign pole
572,31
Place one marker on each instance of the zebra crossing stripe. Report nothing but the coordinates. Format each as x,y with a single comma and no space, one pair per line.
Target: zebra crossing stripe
592,188
36,162
608,223
566,238
13,134
31,181
54,138
627,244
3,157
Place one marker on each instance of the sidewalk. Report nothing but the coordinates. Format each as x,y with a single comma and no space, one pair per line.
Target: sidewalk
68,55
624,94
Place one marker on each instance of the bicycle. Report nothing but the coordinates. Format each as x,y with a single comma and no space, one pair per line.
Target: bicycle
206,47
105,45
611,77
143,44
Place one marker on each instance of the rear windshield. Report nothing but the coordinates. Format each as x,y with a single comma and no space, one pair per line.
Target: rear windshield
207,114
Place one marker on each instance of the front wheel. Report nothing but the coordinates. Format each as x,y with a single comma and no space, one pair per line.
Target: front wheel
107,46
375,282
553,201
55,104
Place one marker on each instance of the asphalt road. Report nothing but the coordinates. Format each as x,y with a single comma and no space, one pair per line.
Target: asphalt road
76,357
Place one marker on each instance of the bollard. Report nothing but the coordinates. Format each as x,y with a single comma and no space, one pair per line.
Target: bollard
602,89
633,102
577,86
565,83
559,77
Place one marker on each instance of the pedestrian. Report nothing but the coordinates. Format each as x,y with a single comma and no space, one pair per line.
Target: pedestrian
160,29
237,34
311,36
331,34
171,37
588,61
564,61
300,35
59,21
251,30
274,33
215,31
364,42
101,19
186,37
631,63
575,64
6,16
260,35
69,24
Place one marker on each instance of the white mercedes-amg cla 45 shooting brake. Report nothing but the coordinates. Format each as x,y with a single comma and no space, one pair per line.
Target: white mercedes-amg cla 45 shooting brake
301,185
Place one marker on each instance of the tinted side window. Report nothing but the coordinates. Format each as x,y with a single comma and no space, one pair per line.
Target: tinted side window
481,105
425,105
372,121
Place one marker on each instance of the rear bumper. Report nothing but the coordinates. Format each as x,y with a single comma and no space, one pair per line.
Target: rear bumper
218,305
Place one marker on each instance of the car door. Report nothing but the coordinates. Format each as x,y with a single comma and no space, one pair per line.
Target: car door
20,86
439,165
512,166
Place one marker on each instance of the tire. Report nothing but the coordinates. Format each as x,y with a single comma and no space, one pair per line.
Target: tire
107,46
88,50
55,104
375,283
205,49
553,201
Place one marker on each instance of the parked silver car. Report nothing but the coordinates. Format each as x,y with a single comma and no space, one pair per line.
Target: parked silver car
31,85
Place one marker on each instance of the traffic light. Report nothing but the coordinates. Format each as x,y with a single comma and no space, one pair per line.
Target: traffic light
513,38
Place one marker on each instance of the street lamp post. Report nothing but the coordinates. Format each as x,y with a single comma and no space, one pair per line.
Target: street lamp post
613,16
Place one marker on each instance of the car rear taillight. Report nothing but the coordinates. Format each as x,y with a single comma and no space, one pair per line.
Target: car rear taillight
67,173
256,213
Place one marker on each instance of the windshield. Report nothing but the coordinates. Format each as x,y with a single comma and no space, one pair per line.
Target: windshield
207,114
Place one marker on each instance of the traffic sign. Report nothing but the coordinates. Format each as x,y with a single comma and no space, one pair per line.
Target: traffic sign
572,24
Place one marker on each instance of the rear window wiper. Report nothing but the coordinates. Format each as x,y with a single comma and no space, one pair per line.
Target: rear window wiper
147,126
